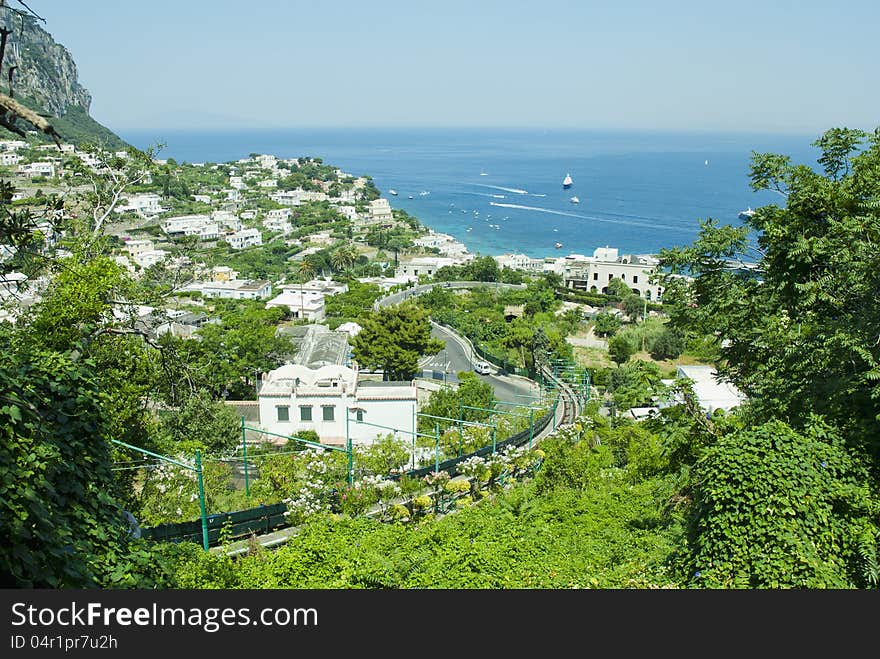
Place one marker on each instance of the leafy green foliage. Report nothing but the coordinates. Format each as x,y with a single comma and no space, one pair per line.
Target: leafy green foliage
60,524
393,339
606,323
776,508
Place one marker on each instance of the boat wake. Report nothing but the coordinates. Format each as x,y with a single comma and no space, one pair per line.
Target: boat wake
538,209
498,187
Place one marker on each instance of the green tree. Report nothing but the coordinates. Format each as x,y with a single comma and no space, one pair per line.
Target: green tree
668,344
796,333
606,323
393,339
620,348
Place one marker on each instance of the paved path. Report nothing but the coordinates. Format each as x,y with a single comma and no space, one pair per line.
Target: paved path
590,341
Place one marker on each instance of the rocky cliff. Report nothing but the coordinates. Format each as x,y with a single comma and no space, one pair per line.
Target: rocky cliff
45,78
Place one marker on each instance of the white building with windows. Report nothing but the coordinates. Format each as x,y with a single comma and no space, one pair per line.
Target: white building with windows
308,304
146,204
244,238
423,265
594,273
380,211
234,289
331,401
192,225
9,158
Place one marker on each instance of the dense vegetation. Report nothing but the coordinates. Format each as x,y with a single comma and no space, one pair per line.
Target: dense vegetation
781,494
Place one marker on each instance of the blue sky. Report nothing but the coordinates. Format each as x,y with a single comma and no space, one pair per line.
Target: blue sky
776,66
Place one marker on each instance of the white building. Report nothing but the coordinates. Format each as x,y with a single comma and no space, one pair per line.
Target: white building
9,158
348,212
147,204
711,393
150,257
331,401
244,238
296,197
594,273
32,169
226,219
136,247
234,289
268,183
202,198
520,262
380,211
192,225
236,182
279,225
423,265
308,304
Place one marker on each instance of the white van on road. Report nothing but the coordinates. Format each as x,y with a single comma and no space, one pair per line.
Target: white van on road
483,368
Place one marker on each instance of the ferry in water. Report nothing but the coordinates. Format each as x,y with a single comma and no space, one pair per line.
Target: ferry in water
566,182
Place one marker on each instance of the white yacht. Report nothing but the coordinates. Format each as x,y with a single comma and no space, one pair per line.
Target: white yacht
575,200
566,182
392,192
746,214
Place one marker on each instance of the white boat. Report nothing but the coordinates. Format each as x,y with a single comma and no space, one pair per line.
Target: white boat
575,200
392,192
706,163
424,193
558,245
746,214
566,182
482,173
410,196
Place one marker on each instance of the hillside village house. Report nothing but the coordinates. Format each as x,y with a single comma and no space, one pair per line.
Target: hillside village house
306,304
331,401
33,169
423,265
244,238
9,158
593,274
380,211
192,225
233,289
146,204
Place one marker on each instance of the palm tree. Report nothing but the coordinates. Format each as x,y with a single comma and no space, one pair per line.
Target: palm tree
344,257
306,271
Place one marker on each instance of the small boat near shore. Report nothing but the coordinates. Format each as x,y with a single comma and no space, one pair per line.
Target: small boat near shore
392,192
558,245
746,214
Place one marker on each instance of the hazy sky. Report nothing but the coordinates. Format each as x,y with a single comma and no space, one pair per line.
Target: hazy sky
739,65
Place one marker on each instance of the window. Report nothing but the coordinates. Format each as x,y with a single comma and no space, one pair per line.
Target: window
283,412
359,415
305,413
635,279
623,276
328,412
595,276
610,276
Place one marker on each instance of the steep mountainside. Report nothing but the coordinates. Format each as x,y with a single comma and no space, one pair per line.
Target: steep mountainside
45,79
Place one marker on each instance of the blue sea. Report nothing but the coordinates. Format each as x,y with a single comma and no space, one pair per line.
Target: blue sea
500,190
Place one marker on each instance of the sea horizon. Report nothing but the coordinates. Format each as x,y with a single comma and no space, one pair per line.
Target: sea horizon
499,190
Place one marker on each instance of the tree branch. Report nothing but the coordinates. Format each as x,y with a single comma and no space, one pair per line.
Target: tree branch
13,107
